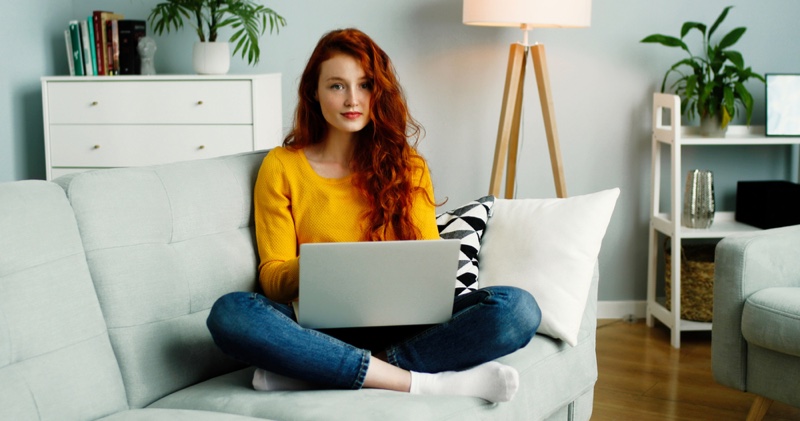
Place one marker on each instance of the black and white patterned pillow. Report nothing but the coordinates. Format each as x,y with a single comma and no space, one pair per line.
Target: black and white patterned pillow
466,223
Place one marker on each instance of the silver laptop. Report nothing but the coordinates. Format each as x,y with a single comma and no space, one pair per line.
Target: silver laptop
382,283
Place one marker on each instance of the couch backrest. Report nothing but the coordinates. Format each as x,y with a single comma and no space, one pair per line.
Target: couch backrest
56,361
163,243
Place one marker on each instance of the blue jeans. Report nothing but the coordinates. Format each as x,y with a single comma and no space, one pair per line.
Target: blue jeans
486,324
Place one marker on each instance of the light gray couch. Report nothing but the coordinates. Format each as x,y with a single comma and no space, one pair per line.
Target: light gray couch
106,279
755,340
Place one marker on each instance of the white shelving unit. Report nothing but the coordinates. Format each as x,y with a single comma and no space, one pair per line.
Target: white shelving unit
675,138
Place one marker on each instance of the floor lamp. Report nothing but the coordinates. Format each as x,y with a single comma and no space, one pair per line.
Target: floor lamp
526,14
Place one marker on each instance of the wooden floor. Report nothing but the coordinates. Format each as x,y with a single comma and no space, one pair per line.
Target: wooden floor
641,377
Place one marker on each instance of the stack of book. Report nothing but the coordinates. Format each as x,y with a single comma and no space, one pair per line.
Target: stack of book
104,44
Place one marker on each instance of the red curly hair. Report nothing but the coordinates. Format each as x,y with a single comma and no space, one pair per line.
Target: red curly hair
384,161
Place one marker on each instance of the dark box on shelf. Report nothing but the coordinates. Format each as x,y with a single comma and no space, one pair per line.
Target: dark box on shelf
768,204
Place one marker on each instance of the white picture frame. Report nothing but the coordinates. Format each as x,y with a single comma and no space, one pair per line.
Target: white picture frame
783,104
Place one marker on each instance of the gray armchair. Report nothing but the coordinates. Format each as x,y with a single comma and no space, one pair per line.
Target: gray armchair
756,331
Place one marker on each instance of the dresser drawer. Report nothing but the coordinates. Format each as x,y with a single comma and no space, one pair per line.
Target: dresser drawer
127,146
150,102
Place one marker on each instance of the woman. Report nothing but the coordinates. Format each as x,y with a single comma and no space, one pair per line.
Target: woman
347,172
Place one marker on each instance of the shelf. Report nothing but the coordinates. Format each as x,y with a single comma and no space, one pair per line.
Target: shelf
736,135
724,225
664,315
667,108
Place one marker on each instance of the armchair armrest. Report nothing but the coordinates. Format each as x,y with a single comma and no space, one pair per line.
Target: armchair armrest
744,265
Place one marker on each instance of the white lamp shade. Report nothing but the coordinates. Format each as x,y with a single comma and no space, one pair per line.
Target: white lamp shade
530,13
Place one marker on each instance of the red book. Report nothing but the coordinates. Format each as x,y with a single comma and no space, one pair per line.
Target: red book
105,22
99,45
115,46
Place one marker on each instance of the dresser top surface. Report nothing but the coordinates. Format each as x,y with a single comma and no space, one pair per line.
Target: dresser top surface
138,78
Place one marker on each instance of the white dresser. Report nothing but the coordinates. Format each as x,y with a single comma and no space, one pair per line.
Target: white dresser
125,121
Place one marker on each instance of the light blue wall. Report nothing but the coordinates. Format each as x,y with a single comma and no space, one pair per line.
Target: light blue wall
602,81
32,46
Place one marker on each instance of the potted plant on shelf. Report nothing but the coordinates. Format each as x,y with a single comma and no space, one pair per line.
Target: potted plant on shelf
710,85
248,19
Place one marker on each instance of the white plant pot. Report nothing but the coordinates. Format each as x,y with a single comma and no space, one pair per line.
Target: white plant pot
211,58
712,126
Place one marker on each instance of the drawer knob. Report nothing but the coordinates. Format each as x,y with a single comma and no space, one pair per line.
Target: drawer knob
96,147
199,102
201,147
94,103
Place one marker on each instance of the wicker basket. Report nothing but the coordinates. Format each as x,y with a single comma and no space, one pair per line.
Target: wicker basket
697,281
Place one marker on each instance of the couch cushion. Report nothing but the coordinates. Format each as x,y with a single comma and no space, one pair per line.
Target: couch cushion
163,243
545,387
56,361
771,319
175,415
553,374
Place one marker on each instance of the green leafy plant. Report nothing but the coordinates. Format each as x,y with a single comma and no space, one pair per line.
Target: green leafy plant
248,19
712,83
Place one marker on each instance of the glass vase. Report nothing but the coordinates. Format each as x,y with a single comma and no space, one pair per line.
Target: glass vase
698,199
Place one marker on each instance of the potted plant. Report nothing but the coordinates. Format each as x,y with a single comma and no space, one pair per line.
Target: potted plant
248,19
711,84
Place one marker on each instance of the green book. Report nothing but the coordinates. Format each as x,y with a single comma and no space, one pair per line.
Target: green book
77,54
92,48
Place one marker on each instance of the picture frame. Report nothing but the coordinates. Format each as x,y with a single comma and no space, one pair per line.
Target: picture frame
783,104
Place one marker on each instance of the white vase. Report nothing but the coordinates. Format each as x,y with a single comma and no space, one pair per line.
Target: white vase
711,126
211,58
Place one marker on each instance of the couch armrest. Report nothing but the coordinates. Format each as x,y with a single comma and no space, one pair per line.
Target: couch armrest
743,265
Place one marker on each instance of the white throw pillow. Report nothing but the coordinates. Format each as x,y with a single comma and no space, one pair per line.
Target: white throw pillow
548,247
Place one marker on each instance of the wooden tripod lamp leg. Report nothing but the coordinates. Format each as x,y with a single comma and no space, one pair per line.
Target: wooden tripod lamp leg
508,130
513,141
548,113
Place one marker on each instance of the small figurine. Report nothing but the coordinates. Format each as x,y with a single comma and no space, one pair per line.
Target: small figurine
147,49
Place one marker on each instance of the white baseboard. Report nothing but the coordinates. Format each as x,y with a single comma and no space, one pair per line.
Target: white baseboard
621,309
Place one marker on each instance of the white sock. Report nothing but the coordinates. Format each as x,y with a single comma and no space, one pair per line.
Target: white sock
491,381
265,381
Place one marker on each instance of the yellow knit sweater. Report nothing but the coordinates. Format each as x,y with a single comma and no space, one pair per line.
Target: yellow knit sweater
293,205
